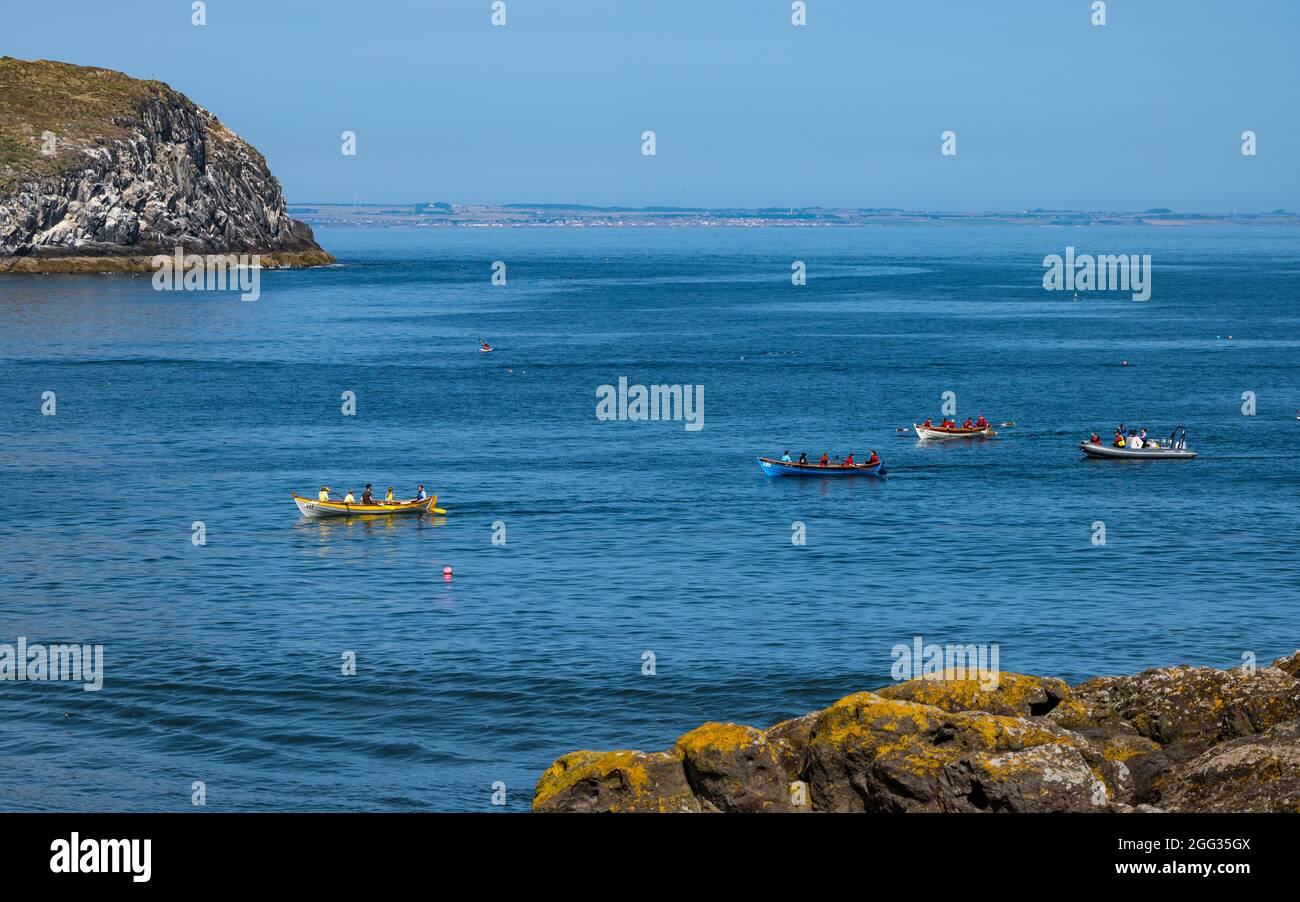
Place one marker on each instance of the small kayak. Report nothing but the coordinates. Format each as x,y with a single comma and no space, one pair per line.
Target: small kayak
1111,452
310,508
783,468
956,432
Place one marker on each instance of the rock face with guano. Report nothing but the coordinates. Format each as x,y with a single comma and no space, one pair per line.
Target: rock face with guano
100,172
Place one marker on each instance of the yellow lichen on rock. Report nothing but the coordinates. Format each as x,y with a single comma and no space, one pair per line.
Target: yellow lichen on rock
615,781
734,768
1013,693
866,714
1028,744
722,737
872,753
1121,747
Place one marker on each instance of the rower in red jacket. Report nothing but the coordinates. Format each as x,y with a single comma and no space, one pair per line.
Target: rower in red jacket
826,459
981,422
873,459
848,461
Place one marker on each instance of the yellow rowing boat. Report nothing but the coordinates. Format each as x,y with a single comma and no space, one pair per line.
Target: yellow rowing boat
312,508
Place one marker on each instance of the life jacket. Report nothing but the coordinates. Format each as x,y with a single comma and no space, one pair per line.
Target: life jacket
389,497
1120,442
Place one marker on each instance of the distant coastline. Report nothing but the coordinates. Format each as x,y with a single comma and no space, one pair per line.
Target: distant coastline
443,214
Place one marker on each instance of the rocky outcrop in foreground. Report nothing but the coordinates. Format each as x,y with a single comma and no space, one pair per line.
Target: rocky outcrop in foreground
100,172
1172,739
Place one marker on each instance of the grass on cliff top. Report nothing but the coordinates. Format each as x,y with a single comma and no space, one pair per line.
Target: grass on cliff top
77,103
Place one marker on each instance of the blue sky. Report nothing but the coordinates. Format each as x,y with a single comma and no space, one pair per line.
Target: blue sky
1049,110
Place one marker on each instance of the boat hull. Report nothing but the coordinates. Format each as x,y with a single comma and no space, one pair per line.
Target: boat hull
931,432
1111,453
310,508
780,468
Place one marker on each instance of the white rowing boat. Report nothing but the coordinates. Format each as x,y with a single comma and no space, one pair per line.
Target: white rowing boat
957,432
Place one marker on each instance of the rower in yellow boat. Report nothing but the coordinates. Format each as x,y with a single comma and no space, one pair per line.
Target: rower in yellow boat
388,499
324,493
350,497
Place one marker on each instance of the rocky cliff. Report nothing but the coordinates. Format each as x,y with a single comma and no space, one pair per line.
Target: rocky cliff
100,171
1173,739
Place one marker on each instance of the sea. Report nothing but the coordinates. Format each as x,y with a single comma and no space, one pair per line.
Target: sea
614,582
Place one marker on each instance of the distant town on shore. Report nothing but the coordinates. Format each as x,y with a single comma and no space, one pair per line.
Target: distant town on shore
441,213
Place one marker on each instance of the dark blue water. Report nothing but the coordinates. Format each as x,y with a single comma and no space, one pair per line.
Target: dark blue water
223,661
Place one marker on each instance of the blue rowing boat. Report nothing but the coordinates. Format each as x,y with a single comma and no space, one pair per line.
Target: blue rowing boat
782,468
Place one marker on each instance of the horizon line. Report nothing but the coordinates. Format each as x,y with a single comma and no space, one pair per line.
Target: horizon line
720,208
